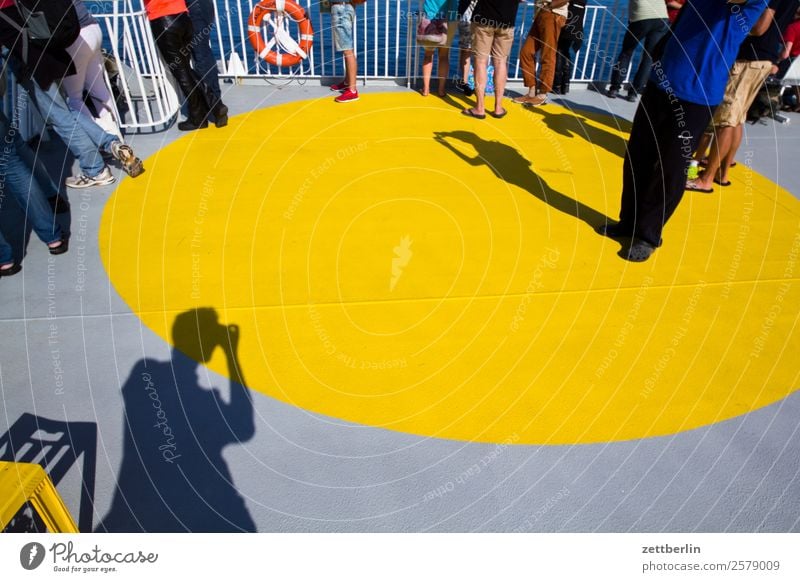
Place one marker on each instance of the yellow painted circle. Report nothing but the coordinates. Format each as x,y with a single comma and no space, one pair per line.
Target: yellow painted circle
395,264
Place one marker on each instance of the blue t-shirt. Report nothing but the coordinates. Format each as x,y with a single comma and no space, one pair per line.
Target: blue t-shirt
698,57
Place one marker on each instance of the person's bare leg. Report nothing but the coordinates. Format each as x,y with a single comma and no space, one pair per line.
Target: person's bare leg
427,70
727,160
500,77
351,68
443,70
463,63
481,65
719,149
702,146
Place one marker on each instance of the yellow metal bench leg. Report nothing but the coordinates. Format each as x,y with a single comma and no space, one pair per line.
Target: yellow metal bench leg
22,482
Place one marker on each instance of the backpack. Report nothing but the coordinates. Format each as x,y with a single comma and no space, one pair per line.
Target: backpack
46,24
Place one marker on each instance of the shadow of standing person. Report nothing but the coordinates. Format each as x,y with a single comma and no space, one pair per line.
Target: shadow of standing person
509,165
173,476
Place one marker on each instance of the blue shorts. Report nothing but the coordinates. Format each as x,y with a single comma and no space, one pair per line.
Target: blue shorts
343,18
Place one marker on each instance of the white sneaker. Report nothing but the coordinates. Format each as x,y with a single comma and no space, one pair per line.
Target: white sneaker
83,181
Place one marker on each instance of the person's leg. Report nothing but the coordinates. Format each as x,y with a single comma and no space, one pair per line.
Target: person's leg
23,186
703,146
482,41
343,18
202,15
679,129
563,64
652,32
501,49
67,125
549,31
720,150
620,68
727,161
427,70
80,52
481,75
527,61
443,70
641,156
95,83
351,69
173,35
6,254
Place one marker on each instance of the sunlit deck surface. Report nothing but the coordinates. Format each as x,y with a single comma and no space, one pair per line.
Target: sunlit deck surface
433,337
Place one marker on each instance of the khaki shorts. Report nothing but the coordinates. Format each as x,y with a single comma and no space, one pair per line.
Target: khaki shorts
746,79
487,40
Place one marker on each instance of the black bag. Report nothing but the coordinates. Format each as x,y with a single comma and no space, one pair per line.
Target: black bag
46,24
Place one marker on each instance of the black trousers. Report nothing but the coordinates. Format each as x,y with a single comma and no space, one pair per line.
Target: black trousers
173,36
663,138
202,15
567,47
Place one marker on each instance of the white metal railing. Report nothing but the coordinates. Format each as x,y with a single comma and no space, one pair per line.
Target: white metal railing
385,47
385,42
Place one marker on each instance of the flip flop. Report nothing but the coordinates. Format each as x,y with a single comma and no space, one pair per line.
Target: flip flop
726,183
500,115
471,113
692,186
704,163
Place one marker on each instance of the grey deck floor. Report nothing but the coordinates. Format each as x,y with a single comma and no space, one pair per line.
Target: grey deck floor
68,344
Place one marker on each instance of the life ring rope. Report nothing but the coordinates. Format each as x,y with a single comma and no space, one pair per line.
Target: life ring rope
281,49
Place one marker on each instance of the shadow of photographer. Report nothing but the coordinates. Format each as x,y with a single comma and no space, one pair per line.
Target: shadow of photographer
173,476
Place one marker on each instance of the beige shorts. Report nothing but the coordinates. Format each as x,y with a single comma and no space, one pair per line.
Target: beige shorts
487,40
746,79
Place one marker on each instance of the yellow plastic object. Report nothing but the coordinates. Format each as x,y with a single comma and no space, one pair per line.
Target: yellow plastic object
394,263
22,482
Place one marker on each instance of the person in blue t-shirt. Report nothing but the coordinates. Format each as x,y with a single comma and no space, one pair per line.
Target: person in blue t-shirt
686,84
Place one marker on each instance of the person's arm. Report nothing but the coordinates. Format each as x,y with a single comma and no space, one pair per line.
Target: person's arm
762,24
786,50
239,411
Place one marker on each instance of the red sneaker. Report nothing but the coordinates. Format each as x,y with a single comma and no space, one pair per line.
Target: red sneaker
348,96
340,87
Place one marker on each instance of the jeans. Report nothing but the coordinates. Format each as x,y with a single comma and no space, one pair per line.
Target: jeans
201,13
343,18
80,133
173,36
19,177
647,32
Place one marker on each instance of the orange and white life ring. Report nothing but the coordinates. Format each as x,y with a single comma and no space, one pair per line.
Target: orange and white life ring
292,51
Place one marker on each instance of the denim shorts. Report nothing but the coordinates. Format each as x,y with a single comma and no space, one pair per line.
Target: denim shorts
343,17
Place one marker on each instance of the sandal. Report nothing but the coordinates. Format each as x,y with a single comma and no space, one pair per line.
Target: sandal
61,248
471,113
692,186
12,270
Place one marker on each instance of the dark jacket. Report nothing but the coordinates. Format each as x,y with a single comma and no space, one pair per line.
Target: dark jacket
44,66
